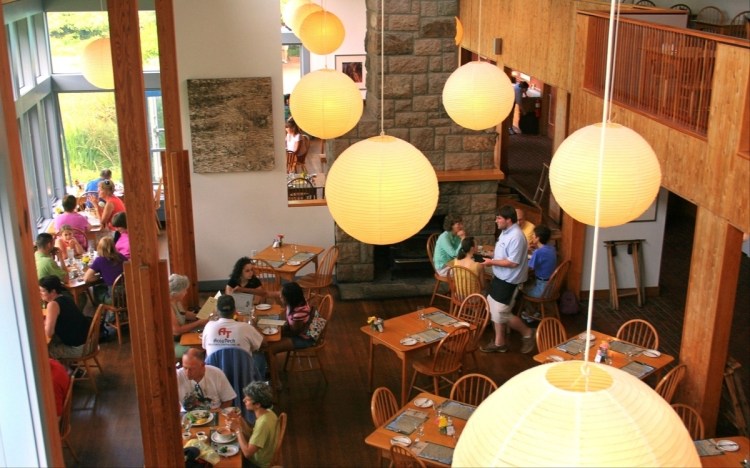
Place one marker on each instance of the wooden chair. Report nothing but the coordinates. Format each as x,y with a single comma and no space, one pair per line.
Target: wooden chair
709,18
692,420
667,386
474,310
383,406
119,306
269,280
682,6
322,279
738,25
90,350
645,3
445,361
472,389
549,333
547,302
300,188
402,457
64,422
463,283
439,279
639,332
307,359
280,431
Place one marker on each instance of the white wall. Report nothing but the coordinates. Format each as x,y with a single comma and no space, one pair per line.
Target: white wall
237,212
353,14
652,232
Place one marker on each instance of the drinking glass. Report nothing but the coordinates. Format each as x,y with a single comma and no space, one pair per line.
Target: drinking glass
420,432
186,424
429,324
283,259
420,310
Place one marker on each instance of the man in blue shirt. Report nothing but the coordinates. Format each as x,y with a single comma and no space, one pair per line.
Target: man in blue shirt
509,268
543,261
447,245
92,188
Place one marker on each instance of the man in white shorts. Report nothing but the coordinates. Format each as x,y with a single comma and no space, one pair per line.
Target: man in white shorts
509,267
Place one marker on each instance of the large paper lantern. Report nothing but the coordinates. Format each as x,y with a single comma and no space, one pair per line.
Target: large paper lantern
381,190
97,64
478,95
301,13
575,414
631,175
326,103
321,32
288,13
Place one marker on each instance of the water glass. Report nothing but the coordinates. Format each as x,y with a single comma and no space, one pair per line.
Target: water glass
429,324
420,311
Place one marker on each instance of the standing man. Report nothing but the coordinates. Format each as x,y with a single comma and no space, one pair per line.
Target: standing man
520,92
509,271
48,258
447,245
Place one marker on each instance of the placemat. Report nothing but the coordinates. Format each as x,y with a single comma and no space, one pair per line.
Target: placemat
637,369
573,346
429,335
626,348
301,257
437,452
441,318
457,409
707,448
407,422
275,263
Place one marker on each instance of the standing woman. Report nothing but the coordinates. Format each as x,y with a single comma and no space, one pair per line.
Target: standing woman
110,204
183,321
293,138
64,324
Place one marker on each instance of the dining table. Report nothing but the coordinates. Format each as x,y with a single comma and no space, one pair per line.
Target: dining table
736,458
219,420
288,259
629,357
396,335
432,447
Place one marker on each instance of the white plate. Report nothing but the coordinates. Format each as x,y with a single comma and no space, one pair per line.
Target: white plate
201,421
270,330
727,445
461,324
582,336
555,358
401,440
408,341
227,450
423,402
651,353
293,263
215,438
263,306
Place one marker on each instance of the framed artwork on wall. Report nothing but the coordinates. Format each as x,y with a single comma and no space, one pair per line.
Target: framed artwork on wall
353,66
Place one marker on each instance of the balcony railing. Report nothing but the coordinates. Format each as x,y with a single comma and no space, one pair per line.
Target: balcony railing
660,71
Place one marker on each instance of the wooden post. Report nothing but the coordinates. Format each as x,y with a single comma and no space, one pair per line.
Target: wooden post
709,307
145,278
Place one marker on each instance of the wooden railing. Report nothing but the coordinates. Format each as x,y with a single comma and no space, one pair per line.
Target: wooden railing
660,71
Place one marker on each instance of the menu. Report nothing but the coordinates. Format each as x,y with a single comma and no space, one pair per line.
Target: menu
209,307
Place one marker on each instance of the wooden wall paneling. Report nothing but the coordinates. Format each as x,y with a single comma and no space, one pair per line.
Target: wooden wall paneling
709,307
145,280
10,149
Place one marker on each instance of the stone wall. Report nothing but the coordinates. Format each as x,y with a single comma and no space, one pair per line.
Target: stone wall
420,54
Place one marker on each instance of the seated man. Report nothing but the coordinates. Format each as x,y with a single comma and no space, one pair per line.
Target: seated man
527,227
200,386
448,244
92,187
543,262
229,333
49,260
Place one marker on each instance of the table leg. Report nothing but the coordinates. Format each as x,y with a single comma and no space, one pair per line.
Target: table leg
404,384
370,365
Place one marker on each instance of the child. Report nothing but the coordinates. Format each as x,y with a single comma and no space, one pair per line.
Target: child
66,241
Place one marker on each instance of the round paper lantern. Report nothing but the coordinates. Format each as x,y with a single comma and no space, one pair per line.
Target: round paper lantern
459,31
301,13
381,190
288,13
575,414
478,95
630,175
326,103
321,32
97,64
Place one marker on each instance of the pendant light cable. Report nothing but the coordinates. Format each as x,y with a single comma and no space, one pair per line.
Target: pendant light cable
382,63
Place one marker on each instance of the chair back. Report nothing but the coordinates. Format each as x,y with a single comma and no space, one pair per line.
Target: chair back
463,283
119,299
645,3
740,25
92,339
682,6
450,351
280,431
710,15
431,241
64,423
300,188
639,332
550,333
402,457
552,290
327,262
383,406
691,419
669,383
324,305
239,367
269,280
475,310
472,389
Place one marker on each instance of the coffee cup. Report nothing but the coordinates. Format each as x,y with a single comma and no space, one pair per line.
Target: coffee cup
186,436
224,435
201,436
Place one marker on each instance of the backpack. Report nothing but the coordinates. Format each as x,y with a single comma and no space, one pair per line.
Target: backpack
568,303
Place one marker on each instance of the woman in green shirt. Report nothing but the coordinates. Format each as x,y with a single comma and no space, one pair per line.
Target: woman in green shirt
258,442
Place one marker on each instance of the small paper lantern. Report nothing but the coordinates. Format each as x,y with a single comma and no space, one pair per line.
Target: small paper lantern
288,13
97,64
301,13
326,103
631,175
459,31
575,414
321,32
478,95
381,190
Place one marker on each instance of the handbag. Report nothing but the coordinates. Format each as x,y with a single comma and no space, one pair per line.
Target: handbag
317,324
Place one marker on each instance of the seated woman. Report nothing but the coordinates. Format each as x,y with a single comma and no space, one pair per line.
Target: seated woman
466,258
243,279
73,219
110,204
258,442
108,263
67,242
122,239
64,323
183,321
